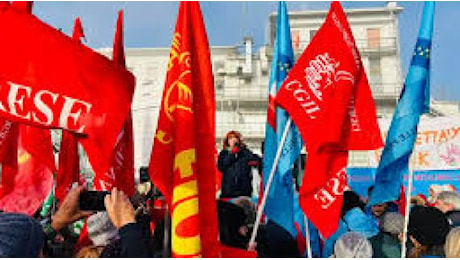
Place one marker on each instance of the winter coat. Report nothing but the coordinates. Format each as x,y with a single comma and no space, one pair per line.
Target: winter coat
454,218
236,172
133,241
385,246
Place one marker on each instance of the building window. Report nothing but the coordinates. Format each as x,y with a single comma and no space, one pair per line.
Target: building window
375,73
373,37
295,35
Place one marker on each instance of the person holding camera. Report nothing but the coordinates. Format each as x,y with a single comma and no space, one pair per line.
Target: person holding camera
133,240
235,162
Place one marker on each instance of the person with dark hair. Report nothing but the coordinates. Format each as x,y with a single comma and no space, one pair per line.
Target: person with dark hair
427,232
235,228
351,200
235,162
232,224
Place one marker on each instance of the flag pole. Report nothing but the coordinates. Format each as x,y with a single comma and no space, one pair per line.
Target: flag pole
307,237
406,217
166,239
269,183
307,229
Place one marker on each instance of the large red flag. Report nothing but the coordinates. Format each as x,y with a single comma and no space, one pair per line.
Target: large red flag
69,160
328,96
34,161
121,172
182,163
48,80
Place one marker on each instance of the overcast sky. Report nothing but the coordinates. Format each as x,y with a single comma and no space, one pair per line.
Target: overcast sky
151,24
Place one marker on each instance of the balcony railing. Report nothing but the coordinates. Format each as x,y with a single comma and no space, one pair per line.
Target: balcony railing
244,92
390,90
260,92
377,45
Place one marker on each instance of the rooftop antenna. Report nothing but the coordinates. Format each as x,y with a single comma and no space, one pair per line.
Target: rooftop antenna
245,11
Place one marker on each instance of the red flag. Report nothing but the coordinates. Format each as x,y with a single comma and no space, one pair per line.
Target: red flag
301,240
23,6
69,165
78,32
121,172
48,80
328,97
83,240
34,179
182,164
402,202
69,159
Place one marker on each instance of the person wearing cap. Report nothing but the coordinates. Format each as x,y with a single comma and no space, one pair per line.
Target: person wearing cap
235,162
20,236
387,244
352,245
427,231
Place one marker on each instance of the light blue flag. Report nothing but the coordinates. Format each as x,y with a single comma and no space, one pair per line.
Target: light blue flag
413,102
280,200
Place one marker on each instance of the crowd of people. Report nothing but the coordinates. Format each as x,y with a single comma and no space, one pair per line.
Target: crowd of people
138,226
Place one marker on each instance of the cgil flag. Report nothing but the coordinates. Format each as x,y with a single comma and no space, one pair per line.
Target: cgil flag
49,80
182,164
413,102
69,160
281,191
328,96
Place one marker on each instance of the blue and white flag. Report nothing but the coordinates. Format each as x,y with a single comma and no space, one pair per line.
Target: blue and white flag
413,102
280,200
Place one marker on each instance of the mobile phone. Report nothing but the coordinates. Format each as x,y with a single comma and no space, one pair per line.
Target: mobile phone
93,200
144,175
